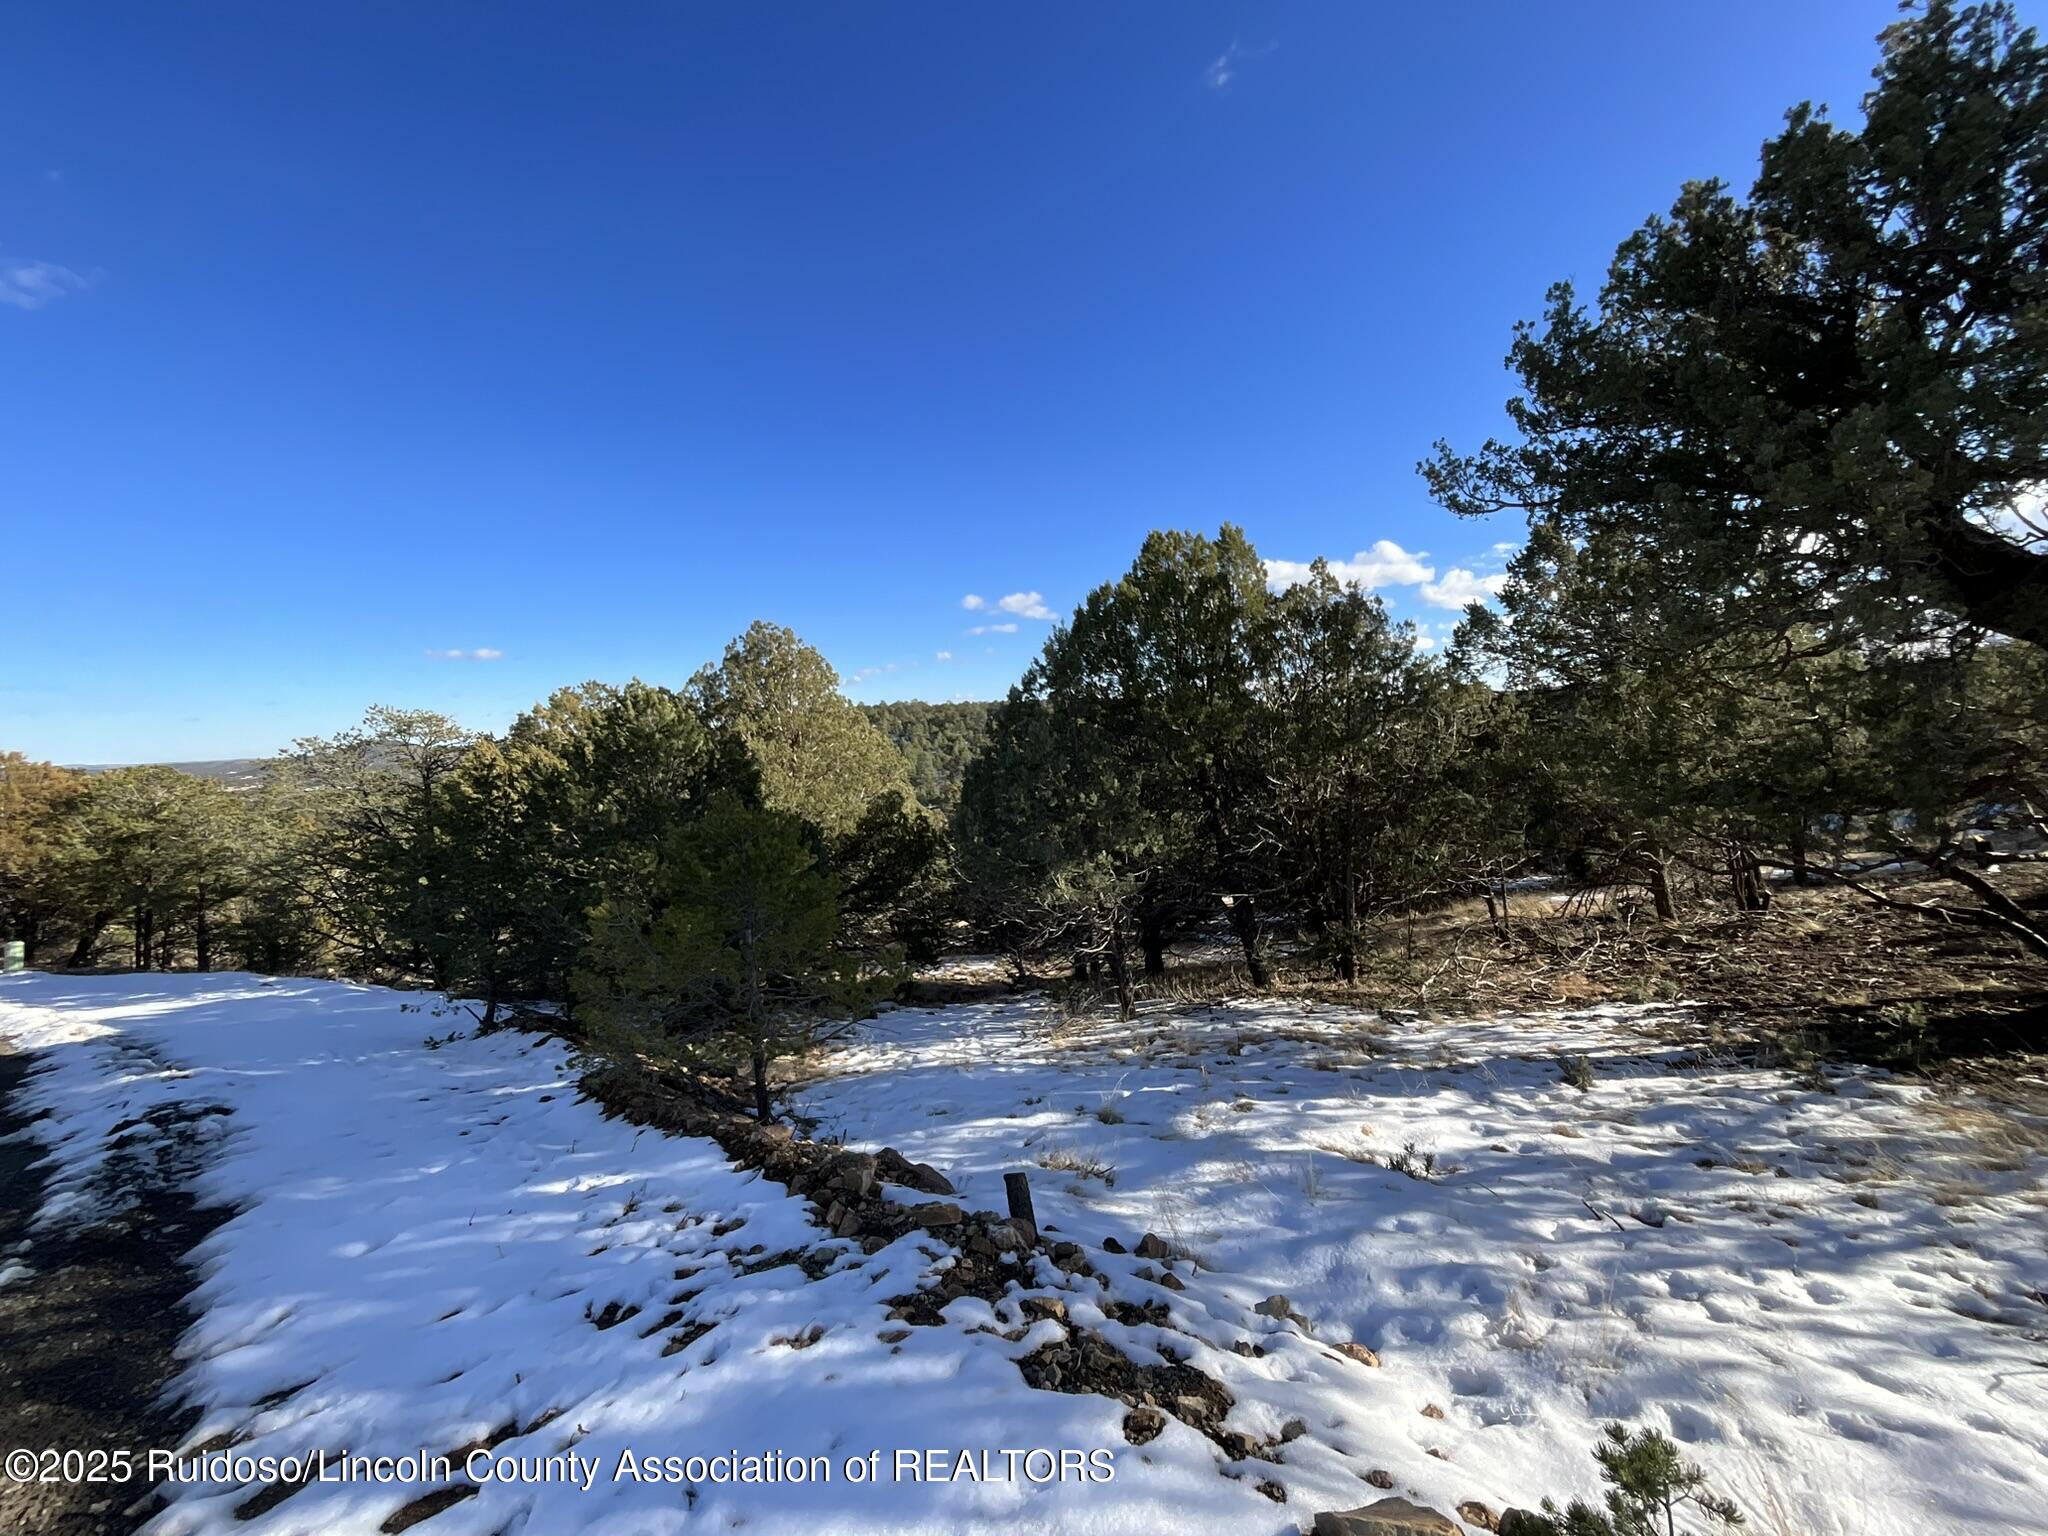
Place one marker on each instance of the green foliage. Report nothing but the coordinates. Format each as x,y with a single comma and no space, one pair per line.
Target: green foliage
1778,589
895,878
1192,747
371,859
160,850
816,755
936,743
1649,1486
1820,404
733,958
36,802
605,775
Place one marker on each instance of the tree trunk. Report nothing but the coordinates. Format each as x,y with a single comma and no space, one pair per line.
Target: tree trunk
763,1110
1660,888
1802,872
1747,876
1347,943
1119,967
1244,918
81,953
202,934
1152,939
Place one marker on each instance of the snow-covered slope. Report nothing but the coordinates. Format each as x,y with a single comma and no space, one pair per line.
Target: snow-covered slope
1835,1296
1832,1297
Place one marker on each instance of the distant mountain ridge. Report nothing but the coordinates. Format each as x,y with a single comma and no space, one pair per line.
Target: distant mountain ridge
235,772
936,742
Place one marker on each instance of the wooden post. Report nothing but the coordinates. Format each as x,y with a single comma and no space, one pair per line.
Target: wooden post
1018,1187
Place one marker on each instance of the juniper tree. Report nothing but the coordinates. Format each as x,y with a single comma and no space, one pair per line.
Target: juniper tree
816,755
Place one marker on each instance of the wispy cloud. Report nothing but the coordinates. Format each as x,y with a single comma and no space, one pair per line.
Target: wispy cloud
26,284
1460,587
481,653
943,656
1225,68
1026,605
993,629
1386,564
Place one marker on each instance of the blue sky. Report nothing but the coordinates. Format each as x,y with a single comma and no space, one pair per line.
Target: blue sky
572,339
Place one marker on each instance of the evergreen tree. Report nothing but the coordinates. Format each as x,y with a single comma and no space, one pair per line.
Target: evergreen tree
733,961
1823,407
816,755
36,803
372,860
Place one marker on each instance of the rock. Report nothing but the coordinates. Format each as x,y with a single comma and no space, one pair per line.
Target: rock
1065,1250
1273,1490
1038,1307
893,1335
1431,1411
1171,1281
939,1213
1111,1245
1144,1425
1359,1353
1522,1522
1472,1512
1293,1430
1379,1477
1385,1517
853,1173
1153,1246
1279,1306
893,1167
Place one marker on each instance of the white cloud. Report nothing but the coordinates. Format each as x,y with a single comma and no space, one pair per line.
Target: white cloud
993,629
481,653
26,284
1028,605
1224,70
1386,564
1506,547
943,656
1460,587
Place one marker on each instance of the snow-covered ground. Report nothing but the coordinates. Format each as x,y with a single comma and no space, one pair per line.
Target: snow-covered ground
1834,1298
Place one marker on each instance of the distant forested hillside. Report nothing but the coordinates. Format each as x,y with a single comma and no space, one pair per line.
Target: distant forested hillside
937,742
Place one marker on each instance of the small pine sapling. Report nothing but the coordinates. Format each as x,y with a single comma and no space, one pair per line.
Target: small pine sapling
1649,1483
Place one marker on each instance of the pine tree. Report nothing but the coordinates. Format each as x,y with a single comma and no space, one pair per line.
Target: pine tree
736,959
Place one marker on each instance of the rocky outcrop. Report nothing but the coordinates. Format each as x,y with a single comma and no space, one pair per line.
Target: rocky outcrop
1387,1517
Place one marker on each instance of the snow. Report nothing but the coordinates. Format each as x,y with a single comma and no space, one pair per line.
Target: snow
1830,1293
